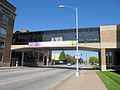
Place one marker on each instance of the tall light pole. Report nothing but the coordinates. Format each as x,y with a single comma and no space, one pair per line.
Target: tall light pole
86,51
75,9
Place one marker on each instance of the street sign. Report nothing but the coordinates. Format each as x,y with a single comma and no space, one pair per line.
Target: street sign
77,55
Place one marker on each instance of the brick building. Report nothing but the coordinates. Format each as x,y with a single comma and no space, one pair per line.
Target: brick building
7,17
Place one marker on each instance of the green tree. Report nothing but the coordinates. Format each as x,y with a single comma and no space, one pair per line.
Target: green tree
81,60
93,60
62,56
70,59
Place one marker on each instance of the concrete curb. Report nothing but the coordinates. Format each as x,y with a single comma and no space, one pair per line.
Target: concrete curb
10,67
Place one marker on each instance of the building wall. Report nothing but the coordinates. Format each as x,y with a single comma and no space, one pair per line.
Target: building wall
55,56
7,16
108,36
118,36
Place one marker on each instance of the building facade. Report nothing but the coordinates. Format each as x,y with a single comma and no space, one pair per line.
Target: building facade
55,56
7,17
104,39
85,34
24,37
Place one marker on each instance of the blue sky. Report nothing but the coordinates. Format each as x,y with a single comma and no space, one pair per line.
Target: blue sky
46,15
82,53
36,15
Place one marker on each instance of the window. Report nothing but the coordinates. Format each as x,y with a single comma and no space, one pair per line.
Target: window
35,55
0,57
41,57
1,43
2,32
5,19
57,39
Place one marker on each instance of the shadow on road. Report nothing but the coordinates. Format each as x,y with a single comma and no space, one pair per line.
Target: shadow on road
63,67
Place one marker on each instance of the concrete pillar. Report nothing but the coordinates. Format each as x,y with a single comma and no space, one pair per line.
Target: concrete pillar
43,57
103,59
47,58
33,55
10,58
22,59
38,57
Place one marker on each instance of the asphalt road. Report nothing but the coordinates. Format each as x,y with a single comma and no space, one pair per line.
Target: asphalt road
34,78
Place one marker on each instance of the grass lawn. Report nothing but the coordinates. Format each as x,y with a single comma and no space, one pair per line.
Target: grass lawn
95,66
110,79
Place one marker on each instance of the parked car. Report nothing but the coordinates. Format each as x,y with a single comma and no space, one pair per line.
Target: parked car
69,64
96,64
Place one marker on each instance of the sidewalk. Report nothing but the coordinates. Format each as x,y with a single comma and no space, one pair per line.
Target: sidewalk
88,80
10,67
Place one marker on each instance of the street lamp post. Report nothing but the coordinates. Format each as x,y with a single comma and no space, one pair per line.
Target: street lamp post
86,51
62,6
